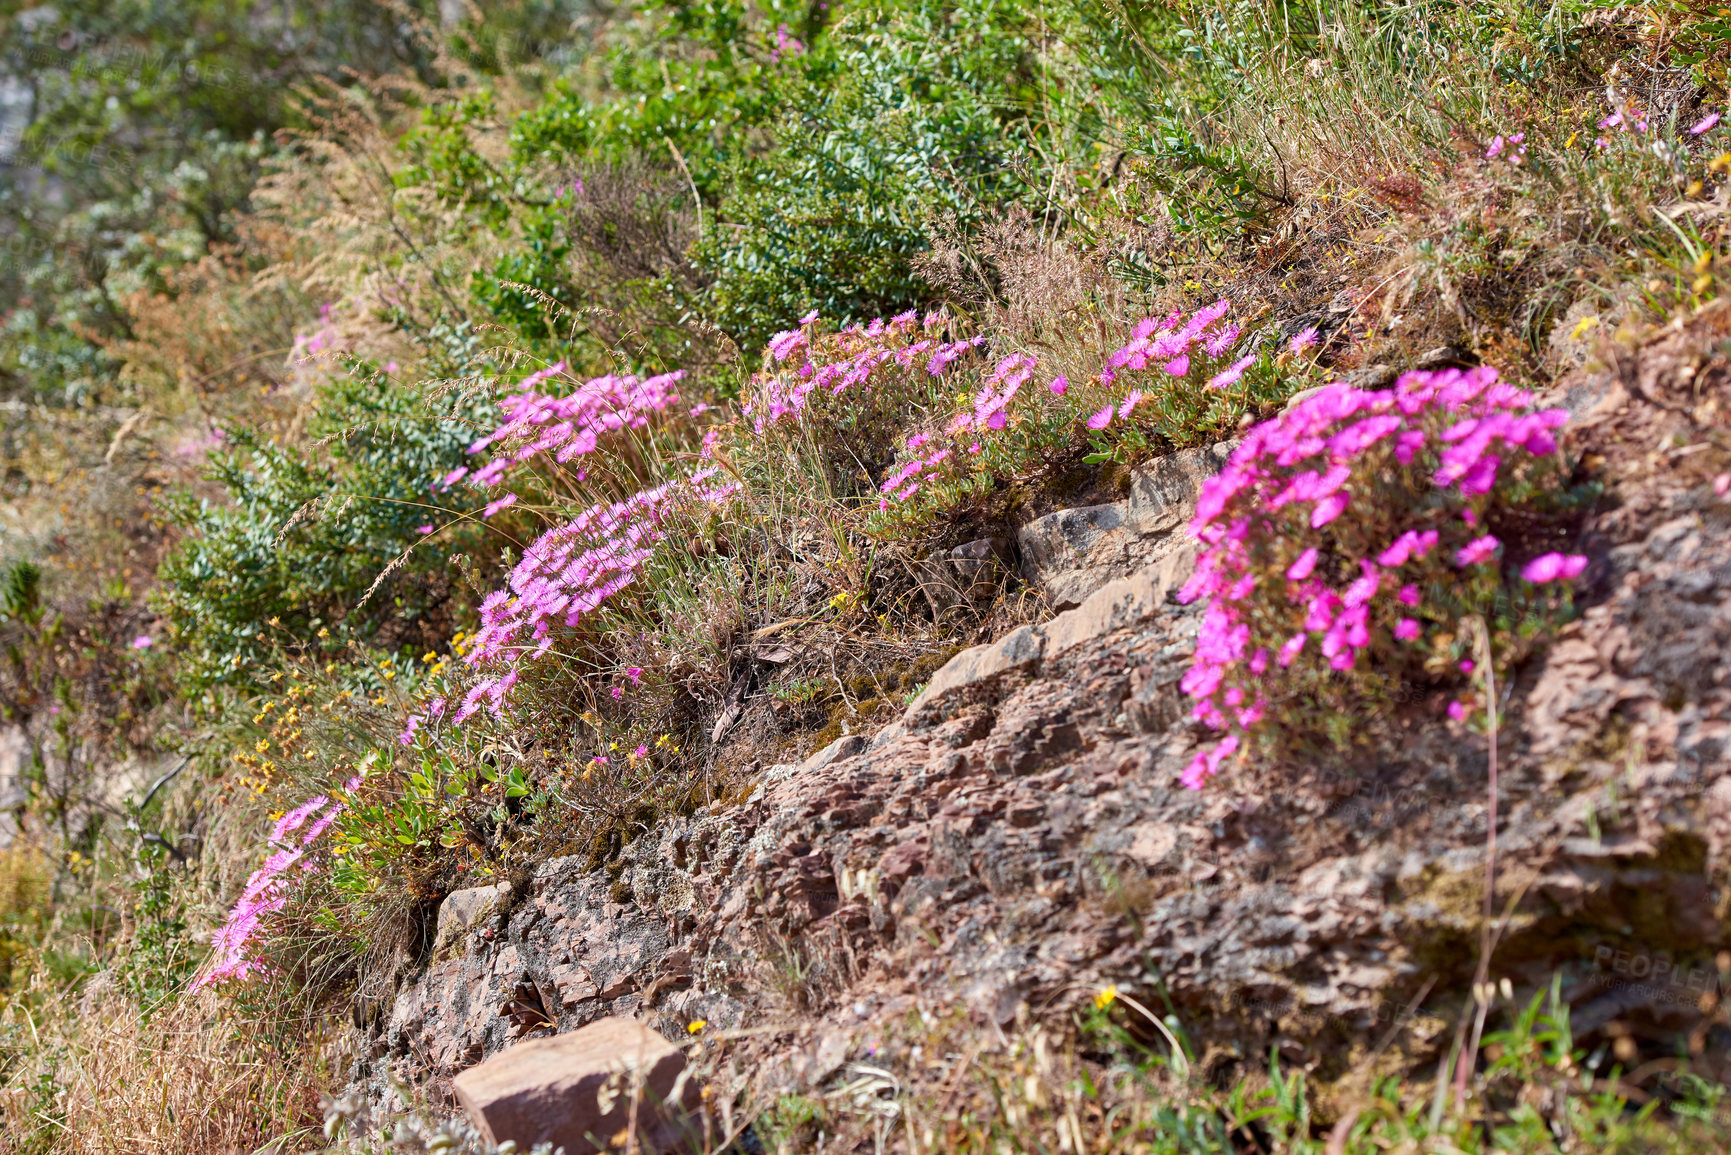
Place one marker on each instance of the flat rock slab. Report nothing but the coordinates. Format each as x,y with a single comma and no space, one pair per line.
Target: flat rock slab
576,1090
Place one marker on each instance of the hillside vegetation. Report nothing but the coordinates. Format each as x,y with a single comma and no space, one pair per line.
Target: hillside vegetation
440,438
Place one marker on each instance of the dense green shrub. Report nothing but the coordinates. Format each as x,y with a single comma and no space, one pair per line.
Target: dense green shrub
307,532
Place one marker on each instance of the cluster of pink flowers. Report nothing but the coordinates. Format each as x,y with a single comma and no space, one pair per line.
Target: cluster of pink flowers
1626,115
1168,348
1269,593
786,44
1515,144
575,567
1167,343
845,361
324,340
567,426
565,574
266,890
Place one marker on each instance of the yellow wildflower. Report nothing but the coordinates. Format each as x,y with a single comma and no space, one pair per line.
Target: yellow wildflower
1107,996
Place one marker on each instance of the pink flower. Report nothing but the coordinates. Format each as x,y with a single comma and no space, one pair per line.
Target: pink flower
1101,419
1329,508
1480,476
1362,590
1413,543
1477,551
489,474
1467,665
811,316
1059,384
783,344
1407,444
1408,596
617,693
1705,123
1303,567
1495,148
1130,400
635,673
493,507
423,530
143,642
1304,339
1722,484
641,751
1407,629
1457,710
1178,366
1206,764
1290,649
1549,567
1230,374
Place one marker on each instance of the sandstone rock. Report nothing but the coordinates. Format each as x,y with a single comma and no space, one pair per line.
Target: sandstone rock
576,1090
464,911
1163,494
1067,555
844,747
1378,376
574,985
1019,649
981,565
1114,605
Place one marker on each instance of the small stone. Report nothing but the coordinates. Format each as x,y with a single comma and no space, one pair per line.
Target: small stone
982,564
575,1090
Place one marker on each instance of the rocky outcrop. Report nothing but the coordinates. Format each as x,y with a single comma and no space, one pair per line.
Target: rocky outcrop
1069,554
1019,837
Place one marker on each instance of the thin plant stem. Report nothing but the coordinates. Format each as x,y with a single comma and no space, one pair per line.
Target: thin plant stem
1487,936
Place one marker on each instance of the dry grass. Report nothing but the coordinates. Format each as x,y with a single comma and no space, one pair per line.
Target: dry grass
99,1078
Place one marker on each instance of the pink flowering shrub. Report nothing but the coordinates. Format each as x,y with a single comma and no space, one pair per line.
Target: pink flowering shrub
1180,380
854,390
1347,540
605,434
908,399
235,943
564,427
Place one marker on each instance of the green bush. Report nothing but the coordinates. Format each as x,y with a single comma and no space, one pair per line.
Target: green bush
308,531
